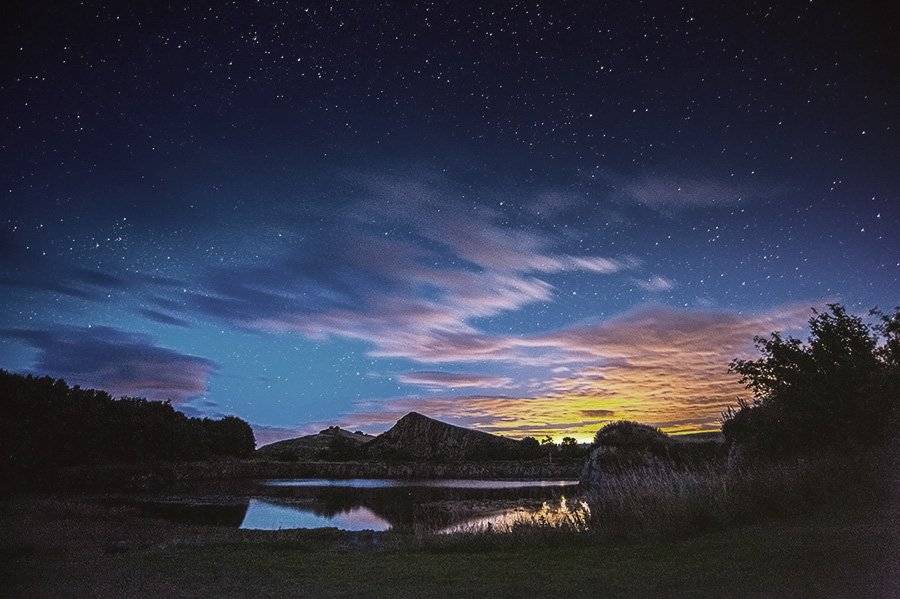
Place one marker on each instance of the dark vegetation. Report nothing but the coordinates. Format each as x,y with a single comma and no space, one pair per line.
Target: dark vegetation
820,429
789,502
819,432
62,547
838,391
47,424
623,445
527,448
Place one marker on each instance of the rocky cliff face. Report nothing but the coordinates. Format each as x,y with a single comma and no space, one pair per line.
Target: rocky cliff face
417,437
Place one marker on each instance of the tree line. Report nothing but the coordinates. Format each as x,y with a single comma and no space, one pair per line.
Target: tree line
48,424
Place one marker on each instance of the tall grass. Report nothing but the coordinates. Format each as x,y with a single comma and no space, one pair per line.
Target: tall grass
656,501
661,501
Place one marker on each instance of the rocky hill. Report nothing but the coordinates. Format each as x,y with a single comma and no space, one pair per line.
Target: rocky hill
324,444
419,438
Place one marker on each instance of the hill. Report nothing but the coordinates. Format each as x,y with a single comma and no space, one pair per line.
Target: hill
326,443
417,437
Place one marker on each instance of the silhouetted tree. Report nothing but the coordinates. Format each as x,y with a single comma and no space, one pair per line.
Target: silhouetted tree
548,447
569,449
48,424
840,388
531,448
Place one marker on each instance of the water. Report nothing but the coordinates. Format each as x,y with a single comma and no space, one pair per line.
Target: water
268,515
554,514
371,504
380,483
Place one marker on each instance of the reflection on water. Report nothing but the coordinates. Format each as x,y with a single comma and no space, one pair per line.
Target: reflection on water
372,504
268,515
562,515
380,483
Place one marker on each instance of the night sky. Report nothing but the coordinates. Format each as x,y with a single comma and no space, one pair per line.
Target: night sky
530,219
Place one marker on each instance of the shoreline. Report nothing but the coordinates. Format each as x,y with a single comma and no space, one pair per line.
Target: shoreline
158,476
70,546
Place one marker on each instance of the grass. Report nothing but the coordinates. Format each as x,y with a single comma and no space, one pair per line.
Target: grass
671,502
811,528
830,554
662,501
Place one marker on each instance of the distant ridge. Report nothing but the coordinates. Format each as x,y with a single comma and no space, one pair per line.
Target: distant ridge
310,447
420,438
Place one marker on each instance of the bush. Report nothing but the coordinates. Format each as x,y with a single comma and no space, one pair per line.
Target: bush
839,389
634,435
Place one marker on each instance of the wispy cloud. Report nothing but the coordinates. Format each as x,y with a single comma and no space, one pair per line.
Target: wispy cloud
655,284
411,274
657,365
454,380
119,362
163,318
60,278
673,193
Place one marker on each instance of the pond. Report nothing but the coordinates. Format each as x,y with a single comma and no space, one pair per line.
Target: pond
370,504
380,483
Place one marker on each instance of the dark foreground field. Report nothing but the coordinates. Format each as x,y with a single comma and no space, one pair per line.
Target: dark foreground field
70,547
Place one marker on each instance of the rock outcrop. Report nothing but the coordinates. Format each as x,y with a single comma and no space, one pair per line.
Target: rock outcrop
419,438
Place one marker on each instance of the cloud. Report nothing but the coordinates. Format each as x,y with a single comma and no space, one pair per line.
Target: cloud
598,413
657,365
34,283
99,279
672,193
655,284
476,233
454,380
407,268
59,278
163,318
119,362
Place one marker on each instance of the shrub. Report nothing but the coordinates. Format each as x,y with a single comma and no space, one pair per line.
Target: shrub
627,434
839,389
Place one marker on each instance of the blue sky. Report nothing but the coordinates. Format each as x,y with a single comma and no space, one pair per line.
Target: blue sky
528,220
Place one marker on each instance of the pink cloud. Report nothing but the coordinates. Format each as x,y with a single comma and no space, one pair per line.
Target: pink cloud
454,380
657,365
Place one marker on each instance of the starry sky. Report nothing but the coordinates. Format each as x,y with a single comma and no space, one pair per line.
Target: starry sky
530,218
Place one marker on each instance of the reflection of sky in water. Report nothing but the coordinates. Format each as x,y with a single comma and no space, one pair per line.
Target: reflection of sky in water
376,483
565,515
265,515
